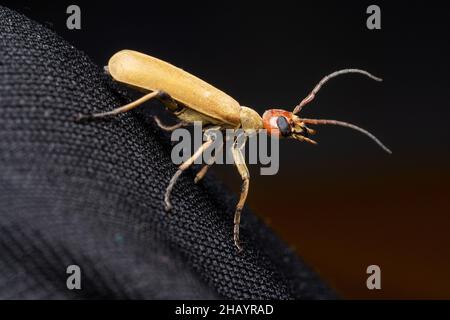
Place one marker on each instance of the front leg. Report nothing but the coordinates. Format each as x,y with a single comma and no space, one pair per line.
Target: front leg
239,161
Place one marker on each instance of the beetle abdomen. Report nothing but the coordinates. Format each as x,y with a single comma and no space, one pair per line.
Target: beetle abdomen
140,70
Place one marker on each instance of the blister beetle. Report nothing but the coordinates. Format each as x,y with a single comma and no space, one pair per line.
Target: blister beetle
192,99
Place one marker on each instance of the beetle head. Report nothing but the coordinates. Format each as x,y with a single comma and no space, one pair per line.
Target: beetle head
282,123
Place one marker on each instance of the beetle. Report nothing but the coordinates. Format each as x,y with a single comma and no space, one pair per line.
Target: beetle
192,99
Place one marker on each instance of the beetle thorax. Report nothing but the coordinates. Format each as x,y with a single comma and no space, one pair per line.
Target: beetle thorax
250,120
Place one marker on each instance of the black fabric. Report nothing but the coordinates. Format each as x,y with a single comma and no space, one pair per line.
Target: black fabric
92,194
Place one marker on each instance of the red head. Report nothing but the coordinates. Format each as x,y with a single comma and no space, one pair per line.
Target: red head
282,123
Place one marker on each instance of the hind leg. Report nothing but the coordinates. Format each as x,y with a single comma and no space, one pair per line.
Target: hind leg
239,162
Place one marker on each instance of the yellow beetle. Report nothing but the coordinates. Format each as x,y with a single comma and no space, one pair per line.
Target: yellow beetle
192,99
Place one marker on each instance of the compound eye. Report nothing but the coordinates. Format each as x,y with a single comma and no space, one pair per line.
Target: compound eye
283,126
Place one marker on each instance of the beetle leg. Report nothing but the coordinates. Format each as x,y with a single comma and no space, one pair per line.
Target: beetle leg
160,95
239,161
199,176
185,165
169,128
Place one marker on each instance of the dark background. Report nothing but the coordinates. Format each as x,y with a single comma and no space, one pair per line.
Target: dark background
344,204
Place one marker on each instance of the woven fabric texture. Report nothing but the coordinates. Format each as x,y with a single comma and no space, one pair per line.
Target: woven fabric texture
92,194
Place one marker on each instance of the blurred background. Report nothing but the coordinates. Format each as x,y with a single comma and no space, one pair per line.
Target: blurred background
343,204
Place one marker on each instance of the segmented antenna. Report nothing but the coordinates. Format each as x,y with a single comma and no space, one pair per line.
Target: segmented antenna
325,79
347,125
